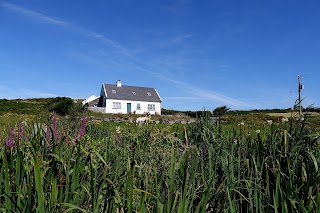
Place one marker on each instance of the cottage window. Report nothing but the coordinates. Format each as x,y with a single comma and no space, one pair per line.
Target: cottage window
113,91
134,93
139,106
151,107
149,94
116,105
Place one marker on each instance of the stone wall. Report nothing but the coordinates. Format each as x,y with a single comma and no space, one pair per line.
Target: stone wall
160,119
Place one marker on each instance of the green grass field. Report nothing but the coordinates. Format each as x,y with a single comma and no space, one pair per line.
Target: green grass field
62,164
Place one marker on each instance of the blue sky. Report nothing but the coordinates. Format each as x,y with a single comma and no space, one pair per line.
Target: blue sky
197,54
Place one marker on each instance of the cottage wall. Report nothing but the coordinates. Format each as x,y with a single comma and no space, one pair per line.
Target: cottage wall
113,108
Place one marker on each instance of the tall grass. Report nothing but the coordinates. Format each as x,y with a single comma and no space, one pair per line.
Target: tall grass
206,168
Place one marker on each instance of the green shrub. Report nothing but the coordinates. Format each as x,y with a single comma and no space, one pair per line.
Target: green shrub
60,105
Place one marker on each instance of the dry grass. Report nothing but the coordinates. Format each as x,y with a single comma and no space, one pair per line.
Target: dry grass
289,114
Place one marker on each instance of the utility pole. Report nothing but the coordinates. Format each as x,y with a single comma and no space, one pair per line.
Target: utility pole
300,87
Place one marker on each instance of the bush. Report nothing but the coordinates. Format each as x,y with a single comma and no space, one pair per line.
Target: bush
220,111
60,105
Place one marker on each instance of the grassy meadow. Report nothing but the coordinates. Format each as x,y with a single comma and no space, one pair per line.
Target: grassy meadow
54,163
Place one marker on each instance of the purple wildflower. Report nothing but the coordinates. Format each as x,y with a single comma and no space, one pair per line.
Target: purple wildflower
20,131
10,142
12,133
66,140
83,127
48,134
74,140
55,126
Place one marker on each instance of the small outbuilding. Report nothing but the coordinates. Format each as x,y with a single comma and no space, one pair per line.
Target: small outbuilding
92,101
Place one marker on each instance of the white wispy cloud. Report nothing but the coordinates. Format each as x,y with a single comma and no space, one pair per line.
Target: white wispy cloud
103,38
89,34
182,98
208,95
214,96
195,92
176,7
33,14
10,93
176,40
199,93
27,93
97,58
54,21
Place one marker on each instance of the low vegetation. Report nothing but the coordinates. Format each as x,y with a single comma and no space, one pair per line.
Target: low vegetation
67,164
63,164
20,107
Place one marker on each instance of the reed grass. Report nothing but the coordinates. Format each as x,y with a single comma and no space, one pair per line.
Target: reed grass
204,168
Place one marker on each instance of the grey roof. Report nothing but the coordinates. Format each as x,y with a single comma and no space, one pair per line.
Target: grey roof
131,93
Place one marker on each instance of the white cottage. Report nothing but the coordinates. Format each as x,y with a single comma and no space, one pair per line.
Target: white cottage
117,98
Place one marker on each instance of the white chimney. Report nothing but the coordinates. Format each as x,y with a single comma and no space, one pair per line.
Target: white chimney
118,83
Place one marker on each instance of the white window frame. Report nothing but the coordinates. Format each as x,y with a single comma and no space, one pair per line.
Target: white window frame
116,105
151,107
138,106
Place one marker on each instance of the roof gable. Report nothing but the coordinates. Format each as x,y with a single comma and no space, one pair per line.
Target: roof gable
131,93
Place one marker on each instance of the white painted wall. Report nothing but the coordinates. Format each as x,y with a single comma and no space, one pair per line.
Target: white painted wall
123,110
